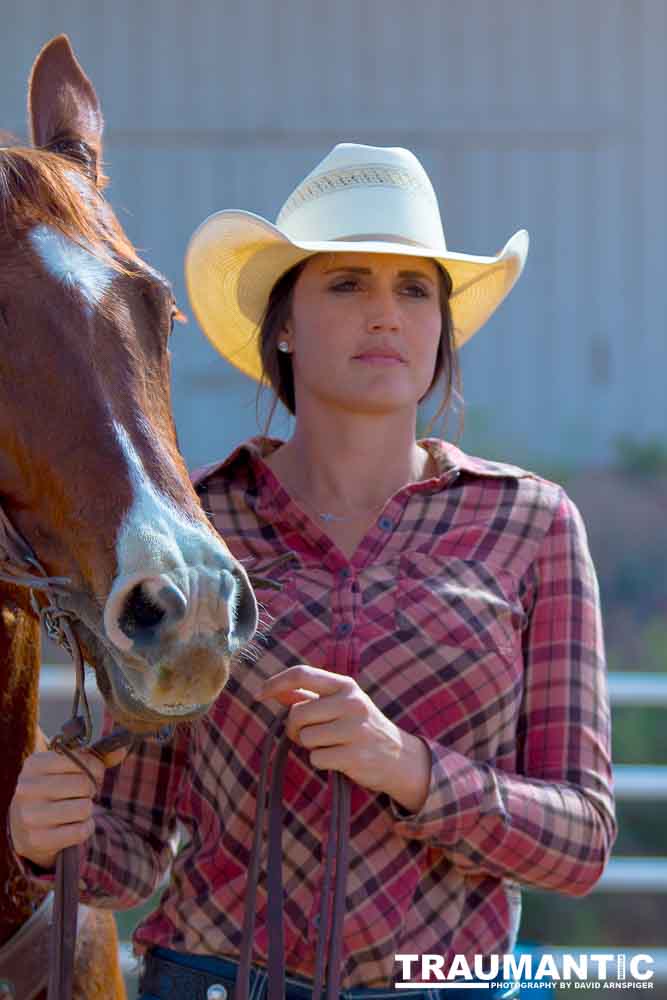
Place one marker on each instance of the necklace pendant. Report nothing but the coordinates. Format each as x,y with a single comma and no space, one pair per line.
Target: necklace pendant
331,517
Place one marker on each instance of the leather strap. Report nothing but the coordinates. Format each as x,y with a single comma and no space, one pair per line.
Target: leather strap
328,959
63,938
13,547
24,959
64,927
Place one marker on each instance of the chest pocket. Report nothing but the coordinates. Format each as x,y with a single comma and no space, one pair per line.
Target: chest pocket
457,603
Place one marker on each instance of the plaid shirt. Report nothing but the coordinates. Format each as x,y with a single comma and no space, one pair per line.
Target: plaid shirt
470,615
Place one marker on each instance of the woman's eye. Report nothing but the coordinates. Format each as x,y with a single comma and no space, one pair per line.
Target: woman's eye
344,286
417,291
413,290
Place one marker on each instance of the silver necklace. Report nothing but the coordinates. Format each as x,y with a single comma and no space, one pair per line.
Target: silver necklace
347,517
327,517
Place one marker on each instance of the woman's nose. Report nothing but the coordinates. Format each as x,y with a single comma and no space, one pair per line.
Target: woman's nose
383,311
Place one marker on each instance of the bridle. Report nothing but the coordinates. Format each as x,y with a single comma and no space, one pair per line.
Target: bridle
19,566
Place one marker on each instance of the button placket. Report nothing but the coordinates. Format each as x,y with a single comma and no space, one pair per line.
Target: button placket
343,603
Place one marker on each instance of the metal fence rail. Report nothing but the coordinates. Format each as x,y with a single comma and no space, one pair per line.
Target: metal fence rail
640,783
627,688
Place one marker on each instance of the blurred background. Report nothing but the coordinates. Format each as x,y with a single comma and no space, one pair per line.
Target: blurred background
529,114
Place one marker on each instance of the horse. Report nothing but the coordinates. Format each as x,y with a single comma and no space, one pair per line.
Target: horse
91,478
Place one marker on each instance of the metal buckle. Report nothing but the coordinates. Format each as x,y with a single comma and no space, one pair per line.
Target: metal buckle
215,992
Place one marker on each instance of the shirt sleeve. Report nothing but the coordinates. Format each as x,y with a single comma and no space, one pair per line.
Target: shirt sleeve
133,843
135,823
552,824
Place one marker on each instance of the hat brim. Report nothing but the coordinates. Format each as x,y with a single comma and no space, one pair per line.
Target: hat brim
234,259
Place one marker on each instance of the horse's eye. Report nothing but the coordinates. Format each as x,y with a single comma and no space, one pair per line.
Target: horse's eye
176,317
4,318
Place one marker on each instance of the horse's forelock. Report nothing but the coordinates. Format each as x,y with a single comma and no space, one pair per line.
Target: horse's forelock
39,187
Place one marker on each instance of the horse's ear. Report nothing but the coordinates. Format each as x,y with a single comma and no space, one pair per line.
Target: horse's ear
63,109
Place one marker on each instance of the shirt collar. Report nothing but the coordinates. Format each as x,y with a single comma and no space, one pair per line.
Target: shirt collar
448,457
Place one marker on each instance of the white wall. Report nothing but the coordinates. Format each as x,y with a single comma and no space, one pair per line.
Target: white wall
548,116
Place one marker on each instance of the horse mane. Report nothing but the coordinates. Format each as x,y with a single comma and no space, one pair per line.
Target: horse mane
42,187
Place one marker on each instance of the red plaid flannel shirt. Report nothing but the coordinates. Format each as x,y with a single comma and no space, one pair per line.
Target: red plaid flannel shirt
470,615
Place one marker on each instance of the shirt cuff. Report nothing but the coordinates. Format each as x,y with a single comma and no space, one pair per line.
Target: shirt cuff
38,878
453,801
35,876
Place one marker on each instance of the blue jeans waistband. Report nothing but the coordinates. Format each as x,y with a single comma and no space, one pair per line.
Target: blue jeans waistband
164,965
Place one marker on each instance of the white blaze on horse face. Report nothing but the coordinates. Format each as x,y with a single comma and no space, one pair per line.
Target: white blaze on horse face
157,540
73,266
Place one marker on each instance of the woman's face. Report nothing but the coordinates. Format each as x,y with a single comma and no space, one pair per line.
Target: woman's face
364,330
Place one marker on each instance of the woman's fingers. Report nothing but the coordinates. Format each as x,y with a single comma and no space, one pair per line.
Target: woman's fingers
46,815
50,764
52,806
328,734
292,697
43,846
54,789
321,682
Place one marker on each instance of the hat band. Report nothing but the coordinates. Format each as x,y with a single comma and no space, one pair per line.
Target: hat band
343,178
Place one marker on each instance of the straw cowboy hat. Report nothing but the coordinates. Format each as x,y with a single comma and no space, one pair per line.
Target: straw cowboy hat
359,199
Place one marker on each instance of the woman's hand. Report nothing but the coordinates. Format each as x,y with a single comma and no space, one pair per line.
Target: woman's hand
345,731
52,807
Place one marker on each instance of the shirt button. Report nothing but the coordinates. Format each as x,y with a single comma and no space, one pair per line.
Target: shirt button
343,628
386,523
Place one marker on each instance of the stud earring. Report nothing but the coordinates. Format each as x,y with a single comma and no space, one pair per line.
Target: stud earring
283,346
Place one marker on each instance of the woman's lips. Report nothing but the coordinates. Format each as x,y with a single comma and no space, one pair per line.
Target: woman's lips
379,359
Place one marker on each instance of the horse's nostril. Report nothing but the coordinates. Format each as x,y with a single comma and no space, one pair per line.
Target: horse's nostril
140,612
245,622
145,612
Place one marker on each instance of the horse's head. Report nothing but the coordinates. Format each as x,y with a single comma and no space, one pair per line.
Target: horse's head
90,471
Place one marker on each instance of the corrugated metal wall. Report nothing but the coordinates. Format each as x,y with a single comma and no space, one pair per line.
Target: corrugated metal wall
548,116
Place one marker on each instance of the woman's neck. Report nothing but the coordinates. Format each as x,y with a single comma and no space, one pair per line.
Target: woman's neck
350,466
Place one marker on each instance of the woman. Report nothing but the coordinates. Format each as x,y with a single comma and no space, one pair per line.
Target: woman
436,637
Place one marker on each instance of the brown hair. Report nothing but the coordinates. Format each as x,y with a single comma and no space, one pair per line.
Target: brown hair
277,365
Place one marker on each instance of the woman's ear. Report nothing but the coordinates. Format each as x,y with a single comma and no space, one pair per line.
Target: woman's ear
285,334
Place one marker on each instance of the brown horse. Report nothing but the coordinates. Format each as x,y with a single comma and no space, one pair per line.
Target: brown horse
90,472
